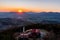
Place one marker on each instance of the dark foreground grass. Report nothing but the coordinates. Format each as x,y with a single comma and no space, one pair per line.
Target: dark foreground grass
8,34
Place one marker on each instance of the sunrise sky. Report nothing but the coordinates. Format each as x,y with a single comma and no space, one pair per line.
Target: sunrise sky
30,5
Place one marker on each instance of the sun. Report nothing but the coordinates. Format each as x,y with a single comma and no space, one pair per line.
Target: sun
20,10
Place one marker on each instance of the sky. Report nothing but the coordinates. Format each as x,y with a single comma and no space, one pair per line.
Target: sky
30,5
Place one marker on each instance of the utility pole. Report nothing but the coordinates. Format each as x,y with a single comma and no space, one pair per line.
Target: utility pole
23,28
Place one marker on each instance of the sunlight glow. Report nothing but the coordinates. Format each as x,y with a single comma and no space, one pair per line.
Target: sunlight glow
20,10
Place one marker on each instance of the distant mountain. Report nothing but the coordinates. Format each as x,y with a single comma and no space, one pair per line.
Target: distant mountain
32,16
38,17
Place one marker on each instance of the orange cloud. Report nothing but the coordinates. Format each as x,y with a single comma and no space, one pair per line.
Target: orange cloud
6,9
12,9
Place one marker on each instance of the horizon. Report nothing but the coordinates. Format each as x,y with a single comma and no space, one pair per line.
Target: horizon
32,12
